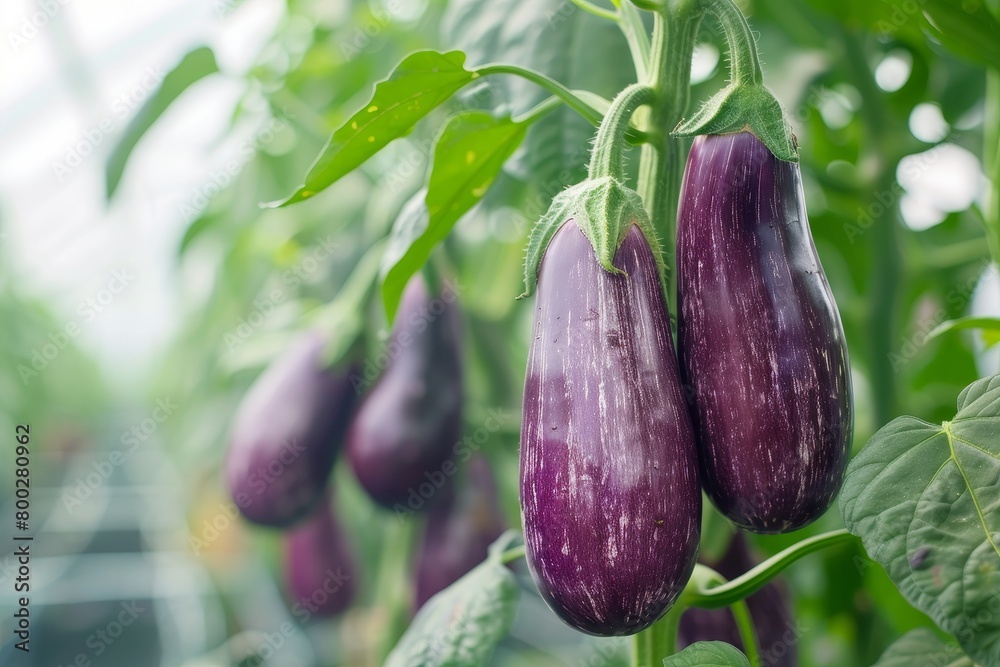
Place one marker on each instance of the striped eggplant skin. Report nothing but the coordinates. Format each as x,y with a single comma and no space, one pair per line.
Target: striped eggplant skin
287,433
409,423
761,345
319,565
611,506
459,531
770,609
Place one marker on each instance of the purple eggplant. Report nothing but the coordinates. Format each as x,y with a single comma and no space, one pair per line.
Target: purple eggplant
459,531
286,435
609,480
320,568
407,426
761,345
777,634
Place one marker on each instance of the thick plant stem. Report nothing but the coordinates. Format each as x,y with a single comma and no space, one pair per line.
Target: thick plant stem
748,634
608,147
650,646
662,165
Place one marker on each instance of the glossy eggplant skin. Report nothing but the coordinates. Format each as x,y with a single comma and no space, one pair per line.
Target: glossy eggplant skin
458,532
777,634
286,435
409,423
319,564
611,506
761,345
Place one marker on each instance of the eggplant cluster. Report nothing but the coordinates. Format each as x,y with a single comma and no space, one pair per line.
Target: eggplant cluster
618,438
299,415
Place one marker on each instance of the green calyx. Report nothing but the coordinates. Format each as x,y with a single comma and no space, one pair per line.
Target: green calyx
745,104
605,210
744,108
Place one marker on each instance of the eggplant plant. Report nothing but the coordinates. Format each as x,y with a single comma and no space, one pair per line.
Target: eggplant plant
629,417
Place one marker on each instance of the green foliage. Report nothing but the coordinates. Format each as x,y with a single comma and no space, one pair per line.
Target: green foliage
468,156
461,626
921,647
418,85
708,654
925,502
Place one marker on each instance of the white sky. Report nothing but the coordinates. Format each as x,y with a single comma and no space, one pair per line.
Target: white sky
89,67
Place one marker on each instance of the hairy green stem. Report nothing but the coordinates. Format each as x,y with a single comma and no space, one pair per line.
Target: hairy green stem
393,587
512,554
608,148
744,65
701,591
659,640
661,166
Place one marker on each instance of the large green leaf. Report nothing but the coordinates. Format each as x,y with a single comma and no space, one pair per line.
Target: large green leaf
708,654
565,42
468,156
923,647
967,28
925,501
195,66
419,84
461,625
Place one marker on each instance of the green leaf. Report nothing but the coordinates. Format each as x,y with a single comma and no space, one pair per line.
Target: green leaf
469,154
922,647
708,654
925,501
419,84
461,625
195,66
989,325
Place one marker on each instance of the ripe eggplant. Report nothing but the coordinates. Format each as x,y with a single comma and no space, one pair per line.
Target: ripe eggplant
287,433
761,345
409,423
459,531
610,501
320,568
769,608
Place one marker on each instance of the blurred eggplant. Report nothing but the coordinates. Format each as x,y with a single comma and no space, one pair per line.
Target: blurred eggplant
320,568
769,607
287,433
609,482
760,340
459,531
409,423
